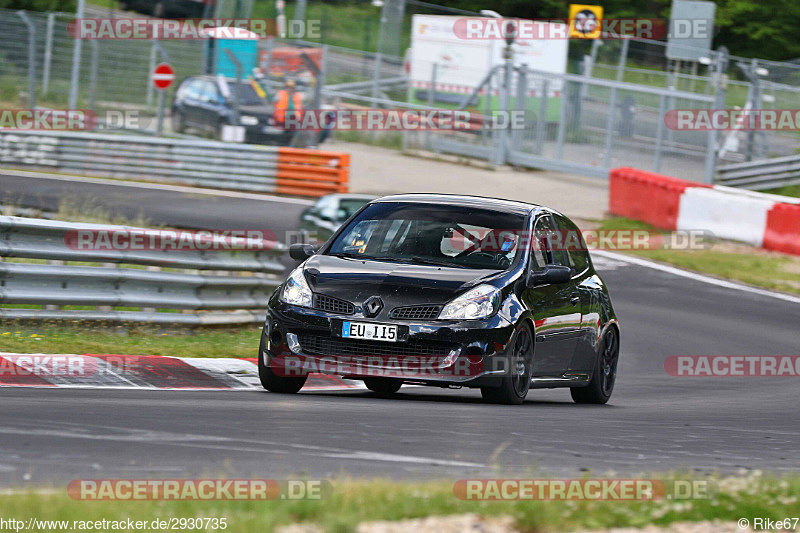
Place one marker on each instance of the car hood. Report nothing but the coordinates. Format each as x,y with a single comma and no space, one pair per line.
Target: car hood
398,284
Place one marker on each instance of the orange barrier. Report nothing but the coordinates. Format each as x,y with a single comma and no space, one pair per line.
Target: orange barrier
647,196
311,172
783,229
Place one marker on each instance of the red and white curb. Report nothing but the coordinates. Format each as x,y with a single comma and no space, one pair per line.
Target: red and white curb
764,220
110,371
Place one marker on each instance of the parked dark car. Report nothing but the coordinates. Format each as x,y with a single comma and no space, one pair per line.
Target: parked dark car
320,221
206,103
167,8
447,291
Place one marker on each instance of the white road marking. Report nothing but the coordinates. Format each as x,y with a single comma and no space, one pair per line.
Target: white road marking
157,186
695,276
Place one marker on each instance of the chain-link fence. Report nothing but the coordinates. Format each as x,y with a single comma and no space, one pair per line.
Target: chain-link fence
607,110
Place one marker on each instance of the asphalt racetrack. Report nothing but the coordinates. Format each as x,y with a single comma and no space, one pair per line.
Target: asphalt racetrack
654,422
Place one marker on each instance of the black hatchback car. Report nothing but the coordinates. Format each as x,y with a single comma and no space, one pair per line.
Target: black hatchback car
449,291
206,103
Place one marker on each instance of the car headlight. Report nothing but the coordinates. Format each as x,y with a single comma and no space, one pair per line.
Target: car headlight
296,290
247,120
479,302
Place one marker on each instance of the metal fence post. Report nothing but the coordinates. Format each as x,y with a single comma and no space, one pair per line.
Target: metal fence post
376,77
268,62
93,72
612,108
48,53
662,104
541,120
562,123
720,83
431,93
623,59
150,87
519,104
501,136
76,61
31,58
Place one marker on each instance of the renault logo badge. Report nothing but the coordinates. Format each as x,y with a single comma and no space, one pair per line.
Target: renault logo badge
373,306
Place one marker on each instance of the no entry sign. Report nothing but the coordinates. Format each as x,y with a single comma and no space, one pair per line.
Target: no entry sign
163,76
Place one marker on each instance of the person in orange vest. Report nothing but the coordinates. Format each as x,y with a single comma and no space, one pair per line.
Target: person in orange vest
287,99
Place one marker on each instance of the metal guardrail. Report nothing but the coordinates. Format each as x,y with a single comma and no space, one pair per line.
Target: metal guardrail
254,275
213,164
762,174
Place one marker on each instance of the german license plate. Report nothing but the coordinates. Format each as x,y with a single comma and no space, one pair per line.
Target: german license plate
374,332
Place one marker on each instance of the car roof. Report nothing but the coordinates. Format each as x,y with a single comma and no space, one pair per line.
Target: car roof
350,196
498,204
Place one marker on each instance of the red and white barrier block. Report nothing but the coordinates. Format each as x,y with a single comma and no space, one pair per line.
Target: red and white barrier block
763,220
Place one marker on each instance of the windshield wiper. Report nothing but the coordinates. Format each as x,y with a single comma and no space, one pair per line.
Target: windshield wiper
426,261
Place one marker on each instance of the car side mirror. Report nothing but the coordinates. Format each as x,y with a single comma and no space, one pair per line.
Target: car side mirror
550,275
301,252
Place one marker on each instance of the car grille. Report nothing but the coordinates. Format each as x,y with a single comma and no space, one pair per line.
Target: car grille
312,344
333,305
416,312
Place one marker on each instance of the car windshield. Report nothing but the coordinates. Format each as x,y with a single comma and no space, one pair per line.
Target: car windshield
247,95
348,206
442,235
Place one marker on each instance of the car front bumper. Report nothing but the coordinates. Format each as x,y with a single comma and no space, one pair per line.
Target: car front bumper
469,353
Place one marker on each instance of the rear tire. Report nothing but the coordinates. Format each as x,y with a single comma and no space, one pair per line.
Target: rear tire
273,382
383,386
517,381
605,373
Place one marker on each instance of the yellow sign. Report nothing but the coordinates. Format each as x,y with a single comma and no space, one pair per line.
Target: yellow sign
585,22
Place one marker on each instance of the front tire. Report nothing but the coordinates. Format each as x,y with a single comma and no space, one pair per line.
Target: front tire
273,382
383,386
605,373
178,122
517,381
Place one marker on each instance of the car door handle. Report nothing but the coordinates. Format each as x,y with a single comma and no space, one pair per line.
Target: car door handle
575,299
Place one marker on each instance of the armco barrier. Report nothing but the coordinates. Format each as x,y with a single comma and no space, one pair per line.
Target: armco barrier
670,203
213,298
270,169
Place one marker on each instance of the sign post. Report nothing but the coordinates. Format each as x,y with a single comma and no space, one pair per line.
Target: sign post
162,77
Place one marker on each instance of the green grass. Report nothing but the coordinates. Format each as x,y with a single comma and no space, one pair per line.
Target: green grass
43,337
353,502
731,261
789,190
